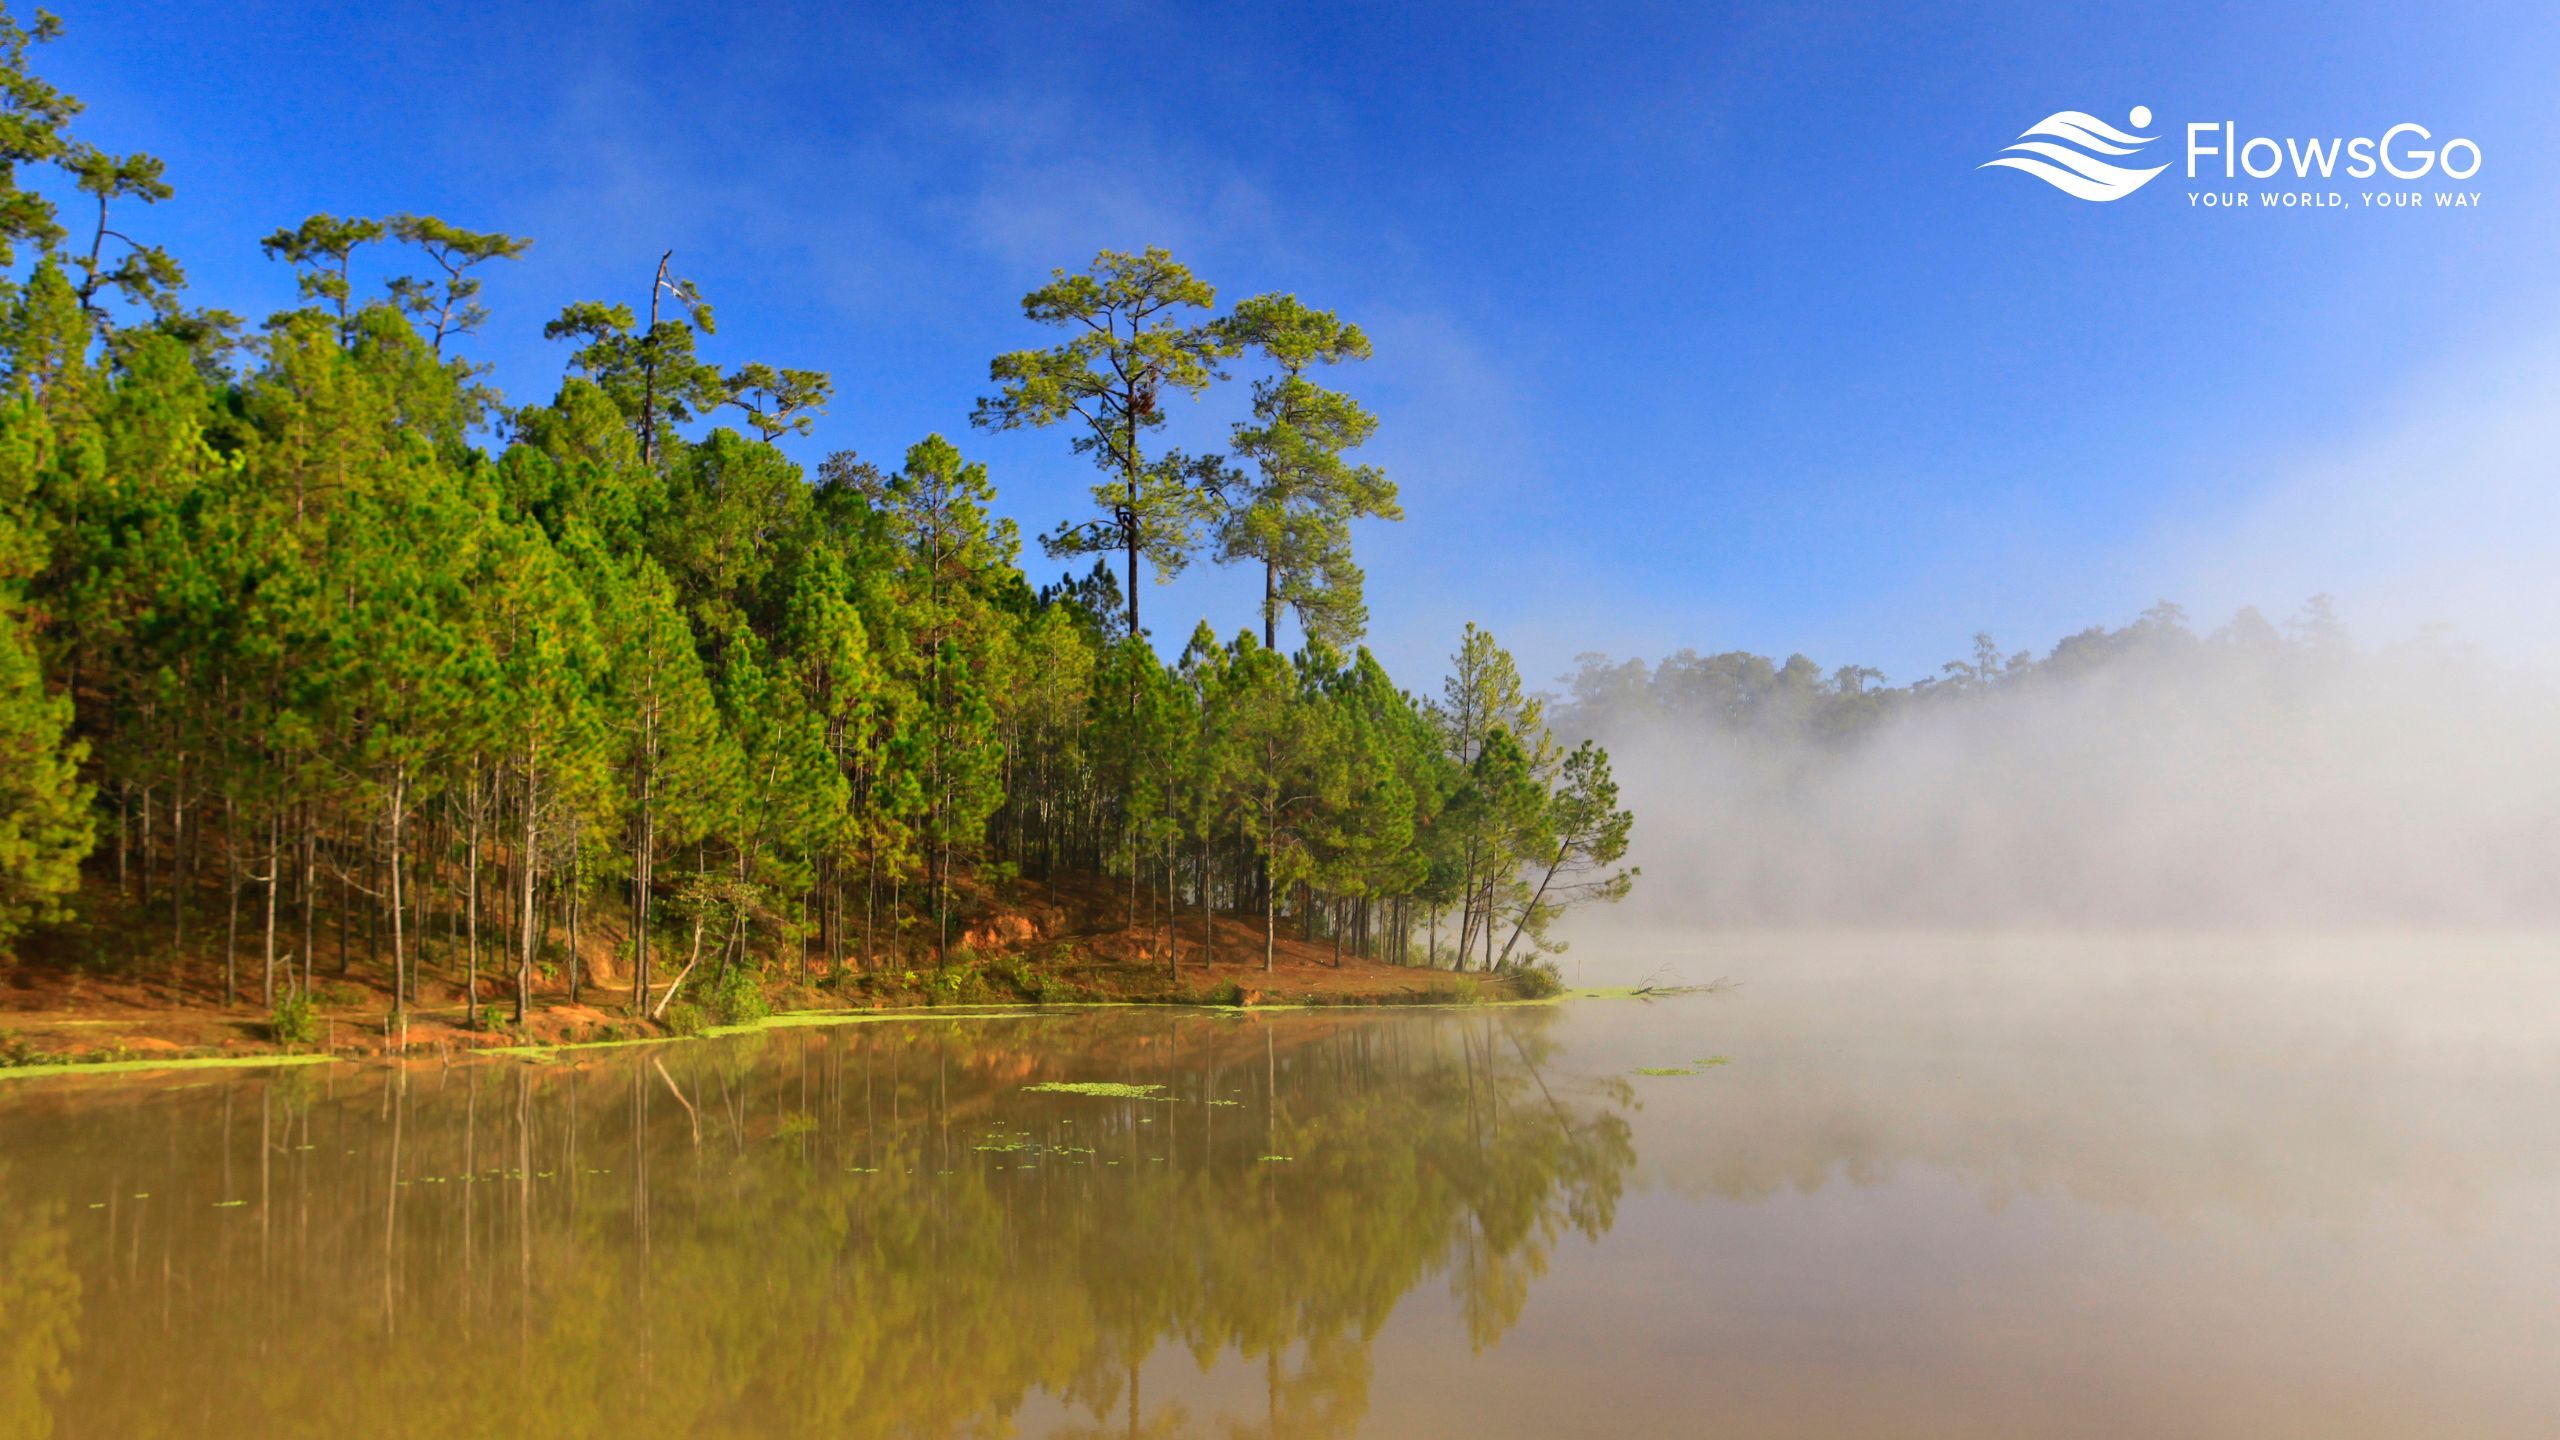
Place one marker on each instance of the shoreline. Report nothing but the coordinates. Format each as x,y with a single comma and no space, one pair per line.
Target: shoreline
120,1063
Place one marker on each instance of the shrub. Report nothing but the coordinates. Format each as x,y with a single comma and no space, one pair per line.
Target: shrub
1028,981
294,1022
493,1016
686,1018
739,998
958,983
1534,979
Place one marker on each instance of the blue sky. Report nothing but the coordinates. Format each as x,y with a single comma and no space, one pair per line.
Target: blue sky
1693,327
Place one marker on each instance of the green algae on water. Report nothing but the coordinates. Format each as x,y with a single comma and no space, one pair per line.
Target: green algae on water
172,1062
1110,1089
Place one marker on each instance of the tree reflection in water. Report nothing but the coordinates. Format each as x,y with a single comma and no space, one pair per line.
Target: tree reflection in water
860,1229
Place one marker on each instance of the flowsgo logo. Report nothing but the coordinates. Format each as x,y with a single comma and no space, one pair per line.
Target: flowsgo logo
2064,148
2086,158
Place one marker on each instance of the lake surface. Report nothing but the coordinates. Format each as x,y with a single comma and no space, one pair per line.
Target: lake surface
1940,1187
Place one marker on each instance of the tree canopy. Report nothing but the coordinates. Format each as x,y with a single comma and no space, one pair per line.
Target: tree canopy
312,641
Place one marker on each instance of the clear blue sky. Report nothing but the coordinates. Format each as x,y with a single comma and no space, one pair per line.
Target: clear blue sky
1693,327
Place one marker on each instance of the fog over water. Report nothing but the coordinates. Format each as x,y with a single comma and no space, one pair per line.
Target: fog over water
2161,774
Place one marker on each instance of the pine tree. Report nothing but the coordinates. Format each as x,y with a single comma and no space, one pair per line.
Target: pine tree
1126,352
1295,518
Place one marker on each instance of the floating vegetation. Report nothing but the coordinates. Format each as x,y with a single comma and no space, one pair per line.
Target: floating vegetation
111,1064
1000,1143
1277,1159
1111,1089
228,1204
1664,1070
1714,1060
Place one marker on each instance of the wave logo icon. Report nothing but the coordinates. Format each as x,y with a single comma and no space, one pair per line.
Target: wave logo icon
2070,149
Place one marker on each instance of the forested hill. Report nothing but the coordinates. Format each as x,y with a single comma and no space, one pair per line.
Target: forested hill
1736,694
313,646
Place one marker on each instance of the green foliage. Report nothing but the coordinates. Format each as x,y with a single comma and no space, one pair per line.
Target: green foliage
1106,1089
448,301
36,132
45,821
1021,978
777,402
321,251
739,998
1126,350
1534,980
1294,520
284,601
294,1022
684,1017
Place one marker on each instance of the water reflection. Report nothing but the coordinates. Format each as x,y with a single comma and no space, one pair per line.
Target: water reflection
2119,1186
871,1229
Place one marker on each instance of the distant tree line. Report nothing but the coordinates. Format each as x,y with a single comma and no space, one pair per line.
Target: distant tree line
309,636
1740,695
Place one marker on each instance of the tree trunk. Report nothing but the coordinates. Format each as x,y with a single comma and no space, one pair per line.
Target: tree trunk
644,859
399,951
231,931
471,915
649,369
310,881
678,983
525,910
1130,534
275,869
178,865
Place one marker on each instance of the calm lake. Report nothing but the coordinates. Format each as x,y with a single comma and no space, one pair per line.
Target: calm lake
1935,1187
